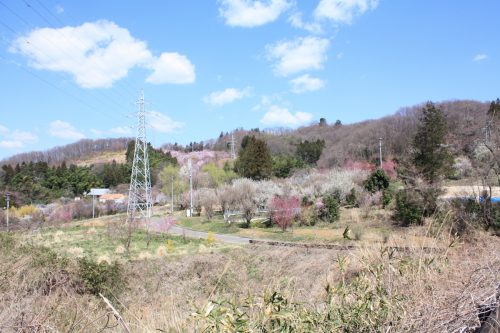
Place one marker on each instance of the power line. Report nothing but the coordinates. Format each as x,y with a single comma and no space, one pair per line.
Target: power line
61,90
130,89
58,31
110,102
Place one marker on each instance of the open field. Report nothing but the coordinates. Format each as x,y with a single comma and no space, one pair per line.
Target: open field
105,157
367,227
80,240
200,287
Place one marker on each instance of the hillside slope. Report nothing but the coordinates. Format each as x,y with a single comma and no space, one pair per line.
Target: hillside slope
81,152
358,141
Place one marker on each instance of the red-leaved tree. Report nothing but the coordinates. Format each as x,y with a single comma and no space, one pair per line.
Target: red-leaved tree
284,210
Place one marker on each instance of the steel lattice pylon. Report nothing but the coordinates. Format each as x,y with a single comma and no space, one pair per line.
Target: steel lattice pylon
140,203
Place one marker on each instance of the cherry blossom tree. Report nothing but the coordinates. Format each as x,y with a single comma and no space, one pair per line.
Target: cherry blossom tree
284,210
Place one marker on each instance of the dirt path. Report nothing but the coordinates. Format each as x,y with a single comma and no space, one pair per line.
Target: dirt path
156,225
463,191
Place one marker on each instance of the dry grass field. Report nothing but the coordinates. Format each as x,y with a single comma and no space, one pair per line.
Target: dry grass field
195,285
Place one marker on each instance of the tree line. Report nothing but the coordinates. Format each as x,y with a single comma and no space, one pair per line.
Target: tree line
78,150
40,182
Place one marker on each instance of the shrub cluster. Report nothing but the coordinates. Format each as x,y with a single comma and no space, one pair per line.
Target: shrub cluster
414,204
101,278
377,181
468,214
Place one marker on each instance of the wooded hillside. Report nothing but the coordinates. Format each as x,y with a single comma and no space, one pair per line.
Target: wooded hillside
343,143
75,151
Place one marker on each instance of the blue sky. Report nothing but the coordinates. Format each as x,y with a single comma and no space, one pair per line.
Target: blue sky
74,69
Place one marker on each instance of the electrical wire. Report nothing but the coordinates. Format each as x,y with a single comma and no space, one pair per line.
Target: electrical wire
103,100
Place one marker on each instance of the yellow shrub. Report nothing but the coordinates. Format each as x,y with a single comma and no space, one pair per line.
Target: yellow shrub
24,211
210,238
170,246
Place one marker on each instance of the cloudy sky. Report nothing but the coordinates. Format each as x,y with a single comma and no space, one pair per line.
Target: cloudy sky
74,69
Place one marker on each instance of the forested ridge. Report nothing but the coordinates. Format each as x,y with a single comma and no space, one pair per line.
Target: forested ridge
40,182
73,151
359,141
343,142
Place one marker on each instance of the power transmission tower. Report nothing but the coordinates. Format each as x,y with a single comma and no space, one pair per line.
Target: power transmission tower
140,203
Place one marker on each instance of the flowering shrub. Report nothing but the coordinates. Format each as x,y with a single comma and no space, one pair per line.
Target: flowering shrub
462,168
358,165
61,214
389,168
165,224
198,158
284,211
208,199
24,211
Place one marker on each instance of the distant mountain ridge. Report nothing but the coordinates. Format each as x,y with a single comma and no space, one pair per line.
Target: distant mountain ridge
358,141
72,152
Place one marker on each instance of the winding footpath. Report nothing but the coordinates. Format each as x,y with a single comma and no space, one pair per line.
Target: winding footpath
157,225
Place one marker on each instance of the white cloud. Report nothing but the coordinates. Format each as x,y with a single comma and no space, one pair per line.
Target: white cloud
11,144
306,83
63,130
162,123
16,138
480,57
97,54
265,102
296,21
249,13
226,96
121,130
171,68
343,11
23,136
300,54
279,116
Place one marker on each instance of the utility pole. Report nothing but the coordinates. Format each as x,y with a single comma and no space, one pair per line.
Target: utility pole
233,147
93,206
172,197
380,151
140,203
190,167
8,204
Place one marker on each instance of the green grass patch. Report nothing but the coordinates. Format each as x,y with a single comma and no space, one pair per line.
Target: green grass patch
216,225
96,242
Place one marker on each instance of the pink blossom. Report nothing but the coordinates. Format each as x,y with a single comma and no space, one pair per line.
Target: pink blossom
358,165
284,210
164,225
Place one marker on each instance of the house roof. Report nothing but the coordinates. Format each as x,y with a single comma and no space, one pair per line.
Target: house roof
112,196
98,191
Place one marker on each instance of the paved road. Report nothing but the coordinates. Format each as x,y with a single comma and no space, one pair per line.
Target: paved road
157,225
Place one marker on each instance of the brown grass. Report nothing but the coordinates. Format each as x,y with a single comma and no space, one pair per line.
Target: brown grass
439,292
106,157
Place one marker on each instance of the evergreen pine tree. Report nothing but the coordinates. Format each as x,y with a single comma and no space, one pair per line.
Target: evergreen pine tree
254,160
432,157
